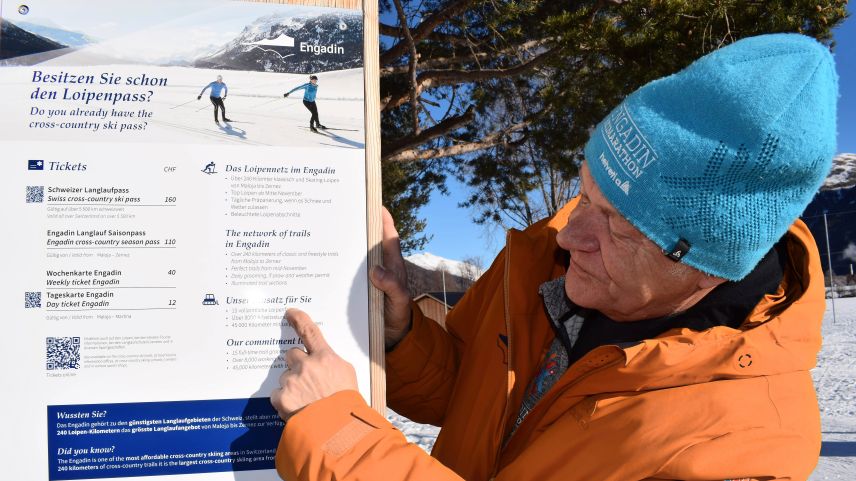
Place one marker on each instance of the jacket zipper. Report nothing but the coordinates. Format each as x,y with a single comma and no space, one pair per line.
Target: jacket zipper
542,406
510,367
571,384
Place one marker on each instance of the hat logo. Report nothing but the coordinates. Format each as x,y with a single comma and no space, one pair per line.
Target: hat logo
626,143
679,251
614,176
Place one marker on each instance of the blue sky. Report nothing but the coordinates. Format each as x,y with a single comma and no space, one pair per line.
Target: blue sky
455,236
845,59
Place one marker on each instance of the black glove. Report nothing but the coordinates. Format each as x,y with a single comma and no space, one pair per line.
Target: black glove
285,95
198,97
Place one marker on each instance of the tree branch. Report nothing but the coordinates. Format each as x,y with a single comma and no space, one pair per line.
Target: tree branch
437,78
411,70
389,30
393,31
459,76
431,133
424,29
433,63
486,142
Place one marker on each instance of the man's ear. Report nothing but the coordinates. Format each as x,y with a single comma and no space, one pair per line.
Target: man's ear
709,282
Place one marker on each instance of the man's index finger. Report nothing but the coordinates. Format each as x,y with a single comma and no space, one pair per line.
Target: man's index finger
305,327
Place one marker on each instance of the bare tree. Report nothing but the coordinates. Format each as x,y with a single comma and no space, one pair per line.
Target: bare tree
471,269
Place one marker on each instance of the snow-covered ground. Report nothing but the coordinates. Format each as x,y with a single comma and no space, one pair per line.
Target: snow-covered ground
835,380
423,435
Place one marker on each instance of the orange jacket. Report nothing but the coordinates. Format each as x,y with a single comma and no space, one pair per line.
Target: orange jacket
713,405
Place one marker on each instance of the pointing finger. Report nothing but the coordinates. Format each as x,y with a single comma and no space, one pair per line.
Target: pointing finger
313,340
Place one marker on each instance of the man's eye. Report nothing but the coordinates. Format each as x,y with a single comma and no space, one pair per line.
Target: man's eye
619,235
617,231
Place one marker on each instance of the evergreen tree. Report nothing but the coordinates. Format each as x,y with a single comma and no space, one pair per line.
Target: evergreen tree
502,93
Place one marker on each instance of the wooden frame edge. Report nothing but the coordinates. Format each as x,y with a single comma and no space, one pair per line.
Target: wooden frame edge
374,222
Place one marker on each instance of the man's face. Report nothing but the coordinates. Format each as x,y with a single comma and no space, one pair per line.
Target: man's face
618,271
314,81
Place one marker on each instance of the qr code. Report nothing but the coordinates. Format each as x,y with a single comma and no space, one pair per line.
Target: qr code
32,300
35,194
63,353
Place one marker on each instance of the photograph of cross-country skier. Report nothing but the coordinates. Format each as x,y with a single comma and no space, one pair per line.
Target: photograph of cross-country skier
241,55
219,90
310,89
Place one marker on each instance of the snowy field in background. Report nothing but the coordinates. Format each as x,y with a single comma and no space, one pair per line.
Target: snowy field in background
835,381
834,377
260,114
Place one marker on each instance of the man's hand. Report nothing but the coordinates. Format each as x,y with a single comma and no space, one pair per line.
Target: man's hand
312,374
392,280
198,97
285,95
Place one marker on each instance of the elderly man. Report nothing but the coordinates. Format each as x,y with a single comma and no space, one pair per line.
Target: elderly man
660,326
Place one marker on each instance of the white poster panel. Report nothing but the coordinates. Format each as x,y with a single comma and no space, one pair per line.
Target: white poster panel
164,201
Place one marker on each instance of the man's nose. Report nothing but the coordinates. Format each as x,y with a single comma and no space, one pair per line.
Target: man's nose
579,234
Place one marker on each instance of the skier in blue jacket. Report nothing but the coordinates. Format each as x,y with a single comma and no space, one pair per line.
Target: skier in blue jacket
309,90
219,90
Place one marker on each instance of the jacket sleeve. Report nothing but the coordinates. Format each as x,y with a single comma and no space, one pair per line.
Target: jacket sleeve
295,89
341,438
422,370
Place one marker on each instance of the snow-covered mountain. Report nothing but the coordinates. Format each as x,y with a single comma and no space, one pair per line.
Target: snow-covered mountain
836,199
843,173
321,43
18,42
59,35
431,262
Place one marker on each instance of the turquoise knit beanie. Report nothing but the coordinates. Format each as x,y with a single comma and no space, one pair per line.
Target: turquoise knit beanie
715,162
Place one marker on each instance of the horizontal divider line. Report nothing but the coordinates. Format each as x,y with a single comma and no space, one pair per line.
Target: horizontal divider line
122,247
116,205
131,309
103,288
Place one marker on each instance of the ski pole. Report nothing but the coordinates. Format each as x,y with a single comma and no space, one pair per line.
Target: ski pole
268,102
283,105
181,105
